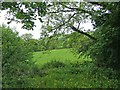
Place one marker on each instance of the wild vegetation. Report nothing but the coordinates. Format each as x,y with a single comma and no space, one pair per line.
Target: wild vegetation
77,59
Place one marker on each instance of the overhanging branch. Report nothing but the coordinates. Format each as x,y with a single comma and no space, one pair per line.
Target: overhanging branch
91,37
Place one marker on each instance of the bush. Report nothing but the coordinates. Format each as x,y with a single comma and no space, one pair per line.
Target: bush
16,58
106,51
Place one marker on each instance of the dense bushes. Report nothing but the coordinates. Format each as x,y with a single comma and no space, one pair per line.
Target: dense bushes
106,50
16,58
77,75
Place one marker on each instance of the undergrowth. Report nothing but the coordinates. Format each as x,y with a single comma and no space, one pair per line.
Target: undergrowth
57,74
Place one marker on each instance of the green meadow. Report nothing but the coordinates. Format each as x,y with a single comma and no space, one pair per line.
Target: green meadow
62,55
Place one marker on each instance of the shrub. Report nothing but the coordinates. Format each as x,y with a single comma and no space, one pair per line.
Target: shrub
16,58
106,51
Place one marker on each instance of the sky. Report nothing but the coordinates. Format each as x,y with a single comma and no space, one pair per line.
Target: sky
37,30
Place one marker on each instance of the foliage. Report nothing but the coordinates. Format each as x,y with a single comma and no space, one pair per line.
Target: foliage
25,12
110,16
33,45
58,41
55,41
106,50
79,43
13,46
17,67
61,41
56,17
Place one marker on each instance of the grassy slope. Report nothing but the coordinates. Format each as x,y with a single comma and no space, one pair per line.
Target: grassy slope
72,74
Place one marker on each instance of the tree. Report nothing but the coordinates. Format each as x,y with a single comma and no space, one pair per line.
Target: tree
59,15
27,36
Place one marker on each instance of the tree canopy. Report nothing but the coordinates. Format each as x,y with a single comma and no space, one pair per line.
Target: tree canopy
60,17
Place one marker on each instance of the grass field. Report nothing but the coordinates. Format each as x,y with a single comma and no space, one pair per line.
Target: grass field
63,55
61,69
